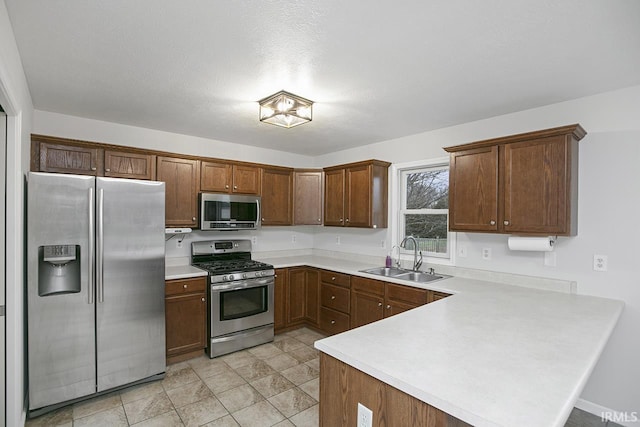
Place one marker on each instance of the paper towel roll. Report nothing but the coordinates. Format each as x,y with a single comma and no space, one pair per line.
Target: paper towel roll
538,244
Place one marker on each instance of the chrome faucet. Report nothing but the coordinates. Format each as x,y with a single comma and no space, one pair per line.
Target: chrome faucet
416,262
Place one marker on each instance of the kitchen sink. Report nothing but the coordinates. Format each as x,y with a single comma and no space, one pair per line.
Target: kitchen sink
386,271
404,274
419,276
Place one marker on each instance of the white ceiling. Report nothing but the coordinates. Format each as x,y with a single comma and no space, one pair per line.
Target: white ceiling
377,70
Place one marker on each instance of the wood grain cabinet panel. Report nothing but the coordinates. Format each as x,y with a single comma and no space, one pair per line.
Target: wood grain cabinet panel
307,197
185,318
121,164
277,195
246,179
280,300
342,387
296,296
312,302
71,159
182,178
215,177
519,184
356,195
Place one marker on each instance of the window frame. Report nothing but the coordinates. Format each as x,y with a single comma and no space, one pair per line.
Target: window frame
400,172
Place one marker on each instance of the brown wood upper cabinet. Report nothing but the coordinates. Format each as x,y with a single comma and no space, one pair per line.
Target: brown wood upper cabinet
59,155
356,195
519,184
277,189
228,177
181,177
307,197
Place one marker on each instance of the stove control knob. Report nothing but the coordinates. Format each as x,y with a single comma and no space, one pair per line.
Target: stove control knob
224,278
231,277
244,275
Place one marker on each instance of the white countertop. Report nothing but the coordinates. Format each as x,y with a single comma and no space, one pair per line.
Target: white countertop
172,272
492,354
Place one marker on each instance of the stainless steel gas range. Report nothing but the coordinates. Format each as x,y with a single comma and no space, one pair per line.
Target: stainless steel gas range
240,303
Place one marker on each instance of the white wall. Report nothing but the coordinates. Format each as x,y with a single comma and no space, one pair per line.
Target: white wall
609,202
65,126
16,100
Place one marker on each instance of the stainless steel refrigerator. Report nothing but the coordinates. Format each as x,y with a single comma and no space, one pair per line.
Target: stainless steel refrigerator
95,285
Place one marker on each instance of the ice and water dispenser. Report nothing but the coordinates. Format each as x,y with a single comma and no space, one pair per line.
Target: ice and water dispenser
58,269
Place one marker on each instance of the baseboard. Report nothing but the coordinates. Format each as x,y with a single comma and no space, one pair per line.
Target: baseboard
627,419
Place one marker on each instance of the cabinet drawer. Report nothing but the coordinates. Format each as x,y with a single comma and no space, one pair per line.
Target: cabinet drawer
368,286
335,297
335,278
333,322
406,294
185,286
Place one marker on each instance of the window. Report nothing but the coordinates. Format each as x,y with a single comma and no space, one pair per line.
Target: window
424,209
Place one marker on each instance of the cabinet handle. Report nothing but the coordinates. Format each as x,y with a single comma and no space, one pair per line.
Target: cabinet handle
347,219
340,219
202,299
379,304
193,219
333,278
93,169
184,286
275,275
107,170
506,222
333,322
262,219
388,307
492,222
235,187
333,297
226,186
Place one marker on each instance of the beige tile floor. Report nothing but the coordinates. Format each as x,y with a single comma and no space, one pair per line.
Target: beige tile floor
275,384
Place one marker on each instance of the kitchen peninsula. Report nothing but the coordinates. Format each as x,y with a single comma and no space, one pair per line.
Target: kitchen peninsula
492,354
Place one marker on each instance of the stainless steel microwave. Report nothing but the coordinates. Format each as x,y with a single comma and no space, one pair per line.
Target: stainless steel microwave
223,212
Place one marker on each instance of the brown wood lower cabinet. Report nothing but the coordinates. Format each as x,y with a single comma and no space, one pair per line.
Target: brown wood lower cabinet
186,318
342,387
280,300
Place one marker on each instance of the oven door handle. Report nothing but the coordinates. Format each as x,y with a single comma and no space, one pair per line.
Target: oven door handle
243,284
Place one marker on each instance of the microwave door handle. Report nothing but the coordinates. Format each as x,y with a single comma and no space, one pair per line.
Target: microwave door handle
258,219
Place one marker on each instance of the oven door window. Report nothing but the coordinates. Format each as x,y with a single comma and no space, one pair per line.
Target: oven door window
243,303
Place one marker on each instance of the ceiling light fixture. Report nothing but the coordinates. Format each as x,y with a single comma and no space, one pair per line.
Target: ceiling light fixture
285,109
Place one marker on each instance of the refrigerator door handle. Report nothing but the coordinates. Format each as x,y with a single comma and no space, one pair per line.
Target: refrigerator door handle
100,246
92,232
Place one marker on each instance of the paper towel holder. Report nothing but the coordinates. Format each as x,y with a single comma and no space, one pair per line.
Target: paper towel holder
532,243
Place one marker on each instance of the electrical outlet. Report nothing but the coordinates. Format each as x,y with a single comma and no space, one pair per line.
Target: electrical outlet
337,240
486,254
365,416
383,244
254,240
462,251
600,262
178,244
293,239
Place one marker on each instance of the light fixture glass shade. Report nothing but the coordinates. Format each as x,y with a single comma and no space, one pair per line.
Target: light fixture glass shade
285,109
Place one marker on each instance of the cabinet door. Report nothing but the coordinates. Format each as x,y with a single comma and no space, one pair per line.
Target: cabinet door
185,323
69,159
307,198
296,296
312,300
276,197
536,183
181,177
215,177
246,179
473,190
358,196
280,299
120,164
399,298
334,197
365,308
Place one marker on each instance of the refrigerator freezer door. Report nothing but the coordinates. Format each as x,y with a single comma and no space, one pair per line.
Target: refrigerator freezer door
130,280
61,325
